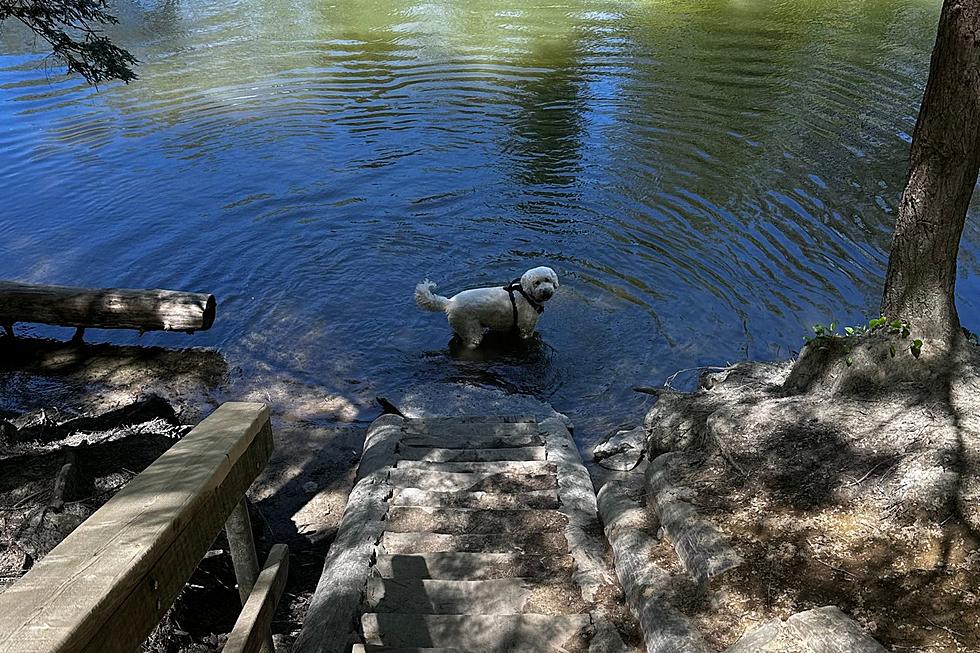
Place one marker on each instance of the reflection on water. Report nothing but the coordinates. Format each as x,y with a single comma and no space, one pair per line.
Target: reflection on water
707,178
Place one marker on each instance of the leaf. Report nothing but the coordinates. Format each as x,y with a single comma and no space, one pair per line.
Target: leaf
916,348
833,327
849,331
891,350
849,361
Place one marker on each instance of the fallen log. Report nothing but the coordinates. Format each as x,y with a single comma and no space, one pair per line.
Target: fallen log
142,410
105,308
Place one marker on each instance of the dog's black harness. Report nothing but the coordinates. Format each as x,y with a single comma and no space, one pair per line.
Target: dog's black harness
515,286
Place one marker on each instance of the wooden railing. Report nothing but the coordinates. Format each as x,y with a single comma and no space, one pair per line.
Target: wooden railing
107,585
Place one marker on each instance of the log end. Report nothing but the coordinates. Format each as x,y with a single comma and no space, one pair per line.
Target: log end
210,310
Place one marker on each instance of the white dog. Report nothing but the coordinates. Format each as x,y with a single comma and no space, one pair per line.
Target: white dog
516,306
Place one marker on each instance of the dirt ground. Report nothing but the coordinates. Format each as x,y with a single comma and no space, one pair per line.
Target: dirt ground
298,499
868,503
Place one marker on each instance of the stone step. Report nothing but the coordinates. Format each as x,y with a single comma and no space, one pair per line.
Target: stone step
411,496
476,467
472,566
466,521
496,596
487,633
525,543
449,455
471,482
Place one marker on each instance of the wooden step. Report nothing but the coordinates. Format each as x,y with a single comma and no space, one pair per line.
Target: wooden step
452,429
458,442
541,499
444,455
496,596
477,467
471,419
375,648
460,521
471,482
526,543
472,566
488,633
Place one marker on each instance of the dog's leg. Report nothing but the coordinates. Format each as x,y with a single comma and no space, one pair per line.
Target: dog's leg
469,330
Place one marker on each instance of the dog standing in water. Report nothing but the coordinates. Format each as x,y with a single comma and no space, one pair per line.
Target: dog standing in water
514,307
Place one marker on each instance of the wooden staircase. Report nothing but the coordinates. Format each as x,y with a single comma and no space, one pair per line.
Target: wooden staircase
466,534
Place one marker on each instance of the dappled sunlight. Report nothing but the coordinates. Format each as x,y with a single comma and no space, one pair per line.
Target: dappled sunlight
863,500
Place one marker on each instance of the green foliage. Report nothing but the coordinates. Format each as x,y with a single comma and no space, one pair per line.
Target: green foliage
71,29
900,329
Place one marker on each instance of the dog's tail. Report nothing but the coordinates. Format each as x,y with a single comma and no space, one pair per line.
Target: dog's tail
428,300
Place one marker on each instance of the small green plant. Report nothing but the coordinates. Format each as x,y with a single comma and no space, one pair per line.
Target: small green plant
881,324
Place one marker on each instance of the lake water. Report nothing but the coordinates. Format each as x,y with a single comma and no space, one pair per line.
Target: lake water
708,178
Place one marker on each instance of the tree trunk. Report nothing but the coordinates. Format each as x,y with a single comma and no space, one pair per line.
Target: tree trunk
944,162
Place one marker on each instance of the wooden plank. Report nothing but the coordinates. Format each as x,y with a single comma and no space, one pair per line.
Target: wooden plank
252,626
333,608
474,566
444,455
462,521
477,467
372,648
456,596
474,441
106,308
452,429
525,543
439,420
470,482
410,496
106,586
486,633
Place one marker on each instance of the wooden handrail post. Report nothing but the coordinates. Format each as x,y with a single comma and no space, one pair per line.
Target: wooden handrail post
254,622
241,545
238,528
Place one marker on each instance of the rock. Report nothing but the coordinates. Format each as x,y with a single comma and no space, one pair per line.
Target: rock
310,487
621,451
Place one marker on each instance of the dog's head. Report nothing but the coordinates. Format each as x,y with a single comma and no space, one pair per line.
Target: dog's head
540,283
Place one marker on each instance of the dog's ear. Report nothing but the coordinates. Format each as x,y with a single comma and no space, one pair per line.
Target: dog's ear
554,277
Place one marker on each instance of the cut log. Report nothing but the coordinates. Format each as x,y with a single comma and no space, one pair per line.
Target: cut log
648,587
106,308
703,550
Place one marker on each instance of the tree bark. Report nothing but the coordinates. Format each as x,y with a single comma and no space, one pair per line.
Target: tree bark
943,166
